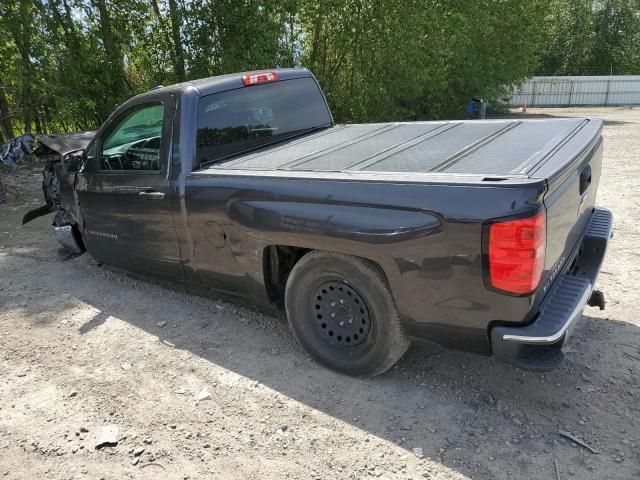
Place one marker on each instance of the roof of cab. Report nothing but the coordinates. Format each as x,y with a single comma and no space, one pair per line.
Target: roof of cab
220,83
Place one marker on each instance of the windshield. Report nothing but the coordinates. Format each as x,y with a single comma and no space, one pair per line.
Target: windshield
237,120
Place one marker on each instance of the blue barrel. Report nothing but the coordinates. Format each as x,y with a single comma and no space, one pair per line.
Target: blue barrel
476,109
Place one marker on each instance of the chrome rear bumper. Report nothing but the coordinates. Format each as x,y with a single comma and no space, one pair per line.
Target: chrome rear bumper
537,346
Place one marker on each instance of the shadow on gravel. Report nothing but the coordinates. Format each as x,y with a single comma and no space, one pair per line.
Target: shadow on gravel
461,409
95,322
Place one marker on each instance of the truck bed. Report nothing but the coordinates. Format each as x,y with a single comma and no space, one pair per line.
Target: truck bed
493,148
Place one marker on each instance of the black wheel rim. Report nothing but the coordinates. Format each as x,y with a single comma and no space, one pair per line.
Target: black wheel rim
340,314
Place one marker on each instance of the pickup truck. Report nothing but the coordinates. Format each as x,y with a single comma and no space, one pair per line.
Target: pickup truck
476,235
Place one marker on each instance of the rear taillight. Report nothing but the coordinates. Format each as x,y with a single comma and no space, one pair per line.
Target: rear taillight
516,254
258,78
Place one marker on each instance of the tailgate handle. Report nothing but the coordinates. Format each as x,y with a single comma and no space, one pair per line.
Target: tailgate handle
585,179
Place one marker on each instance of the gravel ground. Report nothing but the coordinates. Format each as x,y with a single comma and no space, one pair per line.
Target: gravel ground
82,347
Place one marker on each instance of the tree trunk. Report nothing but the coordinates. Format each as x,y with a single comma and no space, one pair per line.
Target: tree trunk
37,121
23,42
45,119
178,57
5,116
317,36
156,9
66,22
105,29
115,77
48,119
26,92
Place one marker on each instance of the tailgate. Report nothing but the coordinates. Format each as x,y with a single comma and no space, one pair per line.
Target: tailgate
572,173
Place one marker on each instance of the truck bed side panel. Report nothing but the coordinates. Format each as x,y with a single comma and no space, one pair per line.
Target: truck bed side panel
427,245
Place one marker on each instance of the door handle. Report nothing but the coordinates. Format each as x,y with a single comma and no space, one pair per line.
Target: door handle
152,195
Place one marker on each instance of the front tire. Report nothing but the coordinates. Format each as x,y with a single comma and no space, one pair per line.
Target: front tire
341,311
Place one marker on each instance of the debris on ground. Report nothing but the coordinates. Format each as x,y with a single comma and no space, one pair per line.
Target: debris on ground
153,465
570,436
203,394
108,437
16,149
588,388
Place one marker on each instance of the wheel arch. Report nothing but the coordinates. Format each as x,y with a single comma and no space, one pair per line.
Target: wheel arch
278,261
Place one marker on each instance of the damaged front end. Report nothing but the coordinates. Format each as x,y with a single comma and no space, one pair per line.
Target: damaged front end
63,157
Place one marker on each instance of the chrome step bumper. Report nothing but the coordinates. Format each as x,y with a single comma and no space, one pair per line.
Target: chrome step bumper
537,346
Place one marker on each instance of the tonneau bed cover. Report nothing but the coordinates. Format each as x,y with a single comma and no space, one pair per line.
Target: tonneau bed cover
494,147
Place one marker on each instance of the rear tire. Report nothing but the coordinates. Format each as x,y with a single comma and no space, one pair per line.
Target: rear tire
341,310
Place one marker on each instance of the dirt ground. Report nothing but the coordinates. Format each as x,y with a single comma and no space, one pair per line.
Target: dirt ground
82,347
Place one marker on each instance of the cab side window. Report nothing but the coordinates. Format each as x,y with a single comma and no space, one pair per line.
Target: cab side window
133,141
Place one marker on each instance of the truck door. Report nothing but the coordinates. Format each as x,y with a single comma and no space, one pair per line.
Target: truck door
124,192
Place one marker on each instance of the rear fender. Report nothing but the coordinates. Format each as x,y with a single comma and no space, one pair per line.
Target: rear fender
384,236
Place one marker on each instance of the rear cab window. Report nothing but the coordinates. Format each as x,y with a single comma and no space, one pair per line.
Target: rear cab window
235,121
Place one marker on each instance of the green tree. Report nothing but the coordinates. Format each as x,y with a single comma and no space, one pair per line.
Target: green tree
408,59
592,37
66,64
616,25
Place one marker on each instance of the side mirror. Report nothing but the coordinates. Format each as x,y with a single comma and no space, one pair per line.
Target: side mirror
75,162
87,160
89,156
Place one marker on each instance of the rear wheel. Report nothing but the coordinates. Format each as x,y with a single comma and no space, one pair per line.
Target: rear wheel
342,312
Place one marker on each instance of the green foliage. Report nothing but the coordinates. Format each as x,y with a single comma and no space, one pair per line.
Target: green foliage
411,59
592,37
225,36
66,64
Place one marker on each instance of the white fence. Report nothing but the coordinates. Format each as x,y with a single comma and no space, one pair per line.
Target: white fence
578,91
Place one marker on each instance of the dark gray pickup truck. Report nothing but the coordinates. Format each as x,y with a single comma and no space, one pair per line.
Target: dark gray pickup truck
480,235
